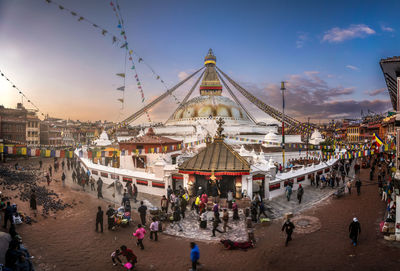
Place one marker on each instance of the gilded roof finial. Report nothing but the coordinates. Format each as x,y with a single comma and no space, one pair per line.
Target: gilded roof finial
220,129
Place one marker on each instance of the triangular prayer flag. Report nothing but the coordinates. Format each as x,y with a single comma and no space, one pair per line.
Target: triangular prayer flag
121,88
121,74
121,100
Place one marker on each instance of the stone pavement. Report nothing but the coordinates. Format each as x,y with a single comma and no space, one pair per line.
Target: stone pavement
192,230
238,232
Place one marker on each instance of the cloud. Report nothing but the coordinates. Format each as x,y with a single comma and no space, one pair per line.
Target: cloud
337,35
387,28
375,92
351,67
301,39
182,75
309,95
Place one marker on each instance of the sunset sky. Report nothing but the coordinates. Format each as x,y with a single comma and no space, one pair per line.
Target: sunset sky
327,51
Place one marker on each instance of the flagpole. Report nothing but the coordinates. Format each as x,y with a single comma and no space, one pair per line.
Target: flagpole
283,124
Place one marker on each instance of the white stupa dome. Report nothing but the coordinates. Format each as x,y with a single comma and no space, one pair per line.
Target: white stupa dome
103,140
209,107
316,137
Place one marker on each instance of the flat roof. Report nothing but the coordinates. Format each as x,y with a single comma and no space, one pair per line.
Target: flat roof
391,70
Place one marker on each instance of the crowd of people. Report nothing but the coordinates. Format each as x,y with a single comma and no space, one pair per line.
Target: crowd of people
175,205
17,257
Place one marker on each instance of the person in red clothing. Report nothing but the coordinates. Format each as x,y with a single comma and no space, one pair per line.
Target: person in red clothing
129,255
140,232
204,198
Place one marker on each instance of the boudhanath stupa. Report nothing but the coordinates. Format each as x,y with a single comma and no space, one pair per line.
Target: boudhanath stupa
209,140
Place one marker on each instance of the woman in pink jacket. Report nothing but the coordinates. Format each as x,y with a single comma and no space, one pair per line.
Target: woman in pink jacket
140,232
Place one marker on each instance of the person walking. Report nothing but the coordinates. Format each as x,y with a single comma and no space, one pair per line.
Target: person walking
92,188
50,171
33,203
40,164
164,204
154,229
312,180
225,219
203,220
216,222
183,204
48,178
194,255
235,211
253,211
62,165
100,188
229,199
348,185
110,217
74,176
317,179
288,191
176,218
355,230
135,192
358,186
63,179
300,193
261,206
169,192
142,211
125,197
99,219
288,226
140,232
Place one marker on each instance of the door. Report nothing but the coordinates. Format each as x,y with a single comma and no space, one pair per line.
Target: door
227,183
203,183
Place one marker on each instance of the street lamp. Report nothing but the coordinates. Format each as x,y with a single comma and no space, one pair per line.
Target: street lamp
308,133
283,123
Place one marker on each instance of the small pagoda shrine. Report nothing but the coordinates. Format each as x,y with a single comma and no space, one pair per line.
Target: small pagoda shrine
150,143
216,169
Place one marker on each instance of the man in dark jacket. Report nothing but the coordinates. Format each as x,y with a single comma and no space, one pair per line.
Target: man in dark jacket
169,192
142,211
289,227
8,215
100,188
358,186
99,219
216,222
12,255
110,217
135,192
355,230
300,193
176,215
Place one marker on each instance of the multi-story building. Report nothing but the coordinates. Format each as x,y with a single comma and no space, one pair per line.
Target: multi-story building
387,131
353,133
32,128
13,124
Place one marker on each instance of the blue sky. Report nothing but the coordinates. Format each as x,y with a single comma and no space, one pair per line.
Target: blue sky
327,51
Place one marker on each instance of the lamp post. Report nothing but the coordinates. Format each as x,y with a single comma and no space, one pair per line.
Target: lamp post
283,124
308,134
